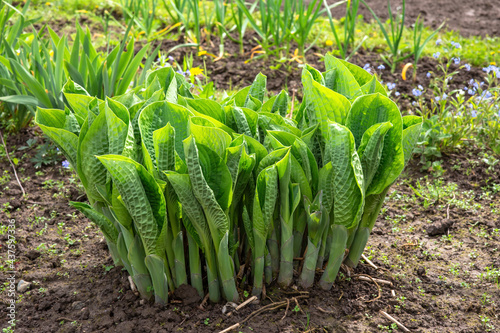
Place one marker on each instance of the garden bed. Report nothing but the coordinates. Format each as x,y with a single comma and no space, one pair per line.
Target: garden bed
447,282
434,249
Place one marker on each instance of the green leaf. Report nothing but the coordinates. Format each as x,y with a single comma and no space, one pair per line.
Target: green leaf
52,123
363,77
209,108
347,177
216,217
257,89
340,79
33,85
367,111
412,125
141,195
266,195
212,137
323,104
370,150
157,115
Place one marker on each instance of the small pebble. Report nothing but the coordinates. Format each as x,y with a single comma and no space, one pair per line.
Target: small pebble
23,286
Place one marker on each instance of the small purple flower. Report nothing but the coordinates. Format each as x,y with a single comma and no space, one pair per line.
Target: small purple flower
445,96
456,45
367,68
473,113
420,87
428,75
471,82
471,92
180,72
438,42
416,92
436,55
381,67
187,73
456,61
171,59
65,164
467,67
57,149
414,103
397,93
391,85
437,98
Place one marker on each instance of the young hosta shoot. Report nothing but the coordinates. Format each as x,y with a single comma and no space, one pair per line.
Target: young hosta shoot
317,222
189,190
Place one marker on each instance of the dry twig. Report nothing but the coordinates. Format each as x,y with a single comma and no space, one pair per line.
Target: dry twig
230,328
202,304
379,289
12,164
323,310
368,261
286,310
364,278
394,320
248,301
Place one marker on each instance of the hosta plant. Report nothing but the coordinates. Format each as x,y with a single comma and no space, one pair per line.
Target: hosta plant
190,190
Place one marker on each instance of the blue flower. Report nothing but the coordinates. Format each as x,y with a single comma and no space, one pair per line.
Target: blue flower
436,55
428,75
391,85
381,67
437,98
473,113
471,92
57,149
416,92
471,82
456,60
65,164
486,94
180,72
397,93
187,73
445,96
493,69
414,103
438,42
420,87
170,58
467,67
367,68
456,45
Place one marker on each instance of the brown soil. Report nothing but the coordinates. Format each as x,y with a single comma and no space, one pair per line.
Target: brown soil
236,71
469,18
